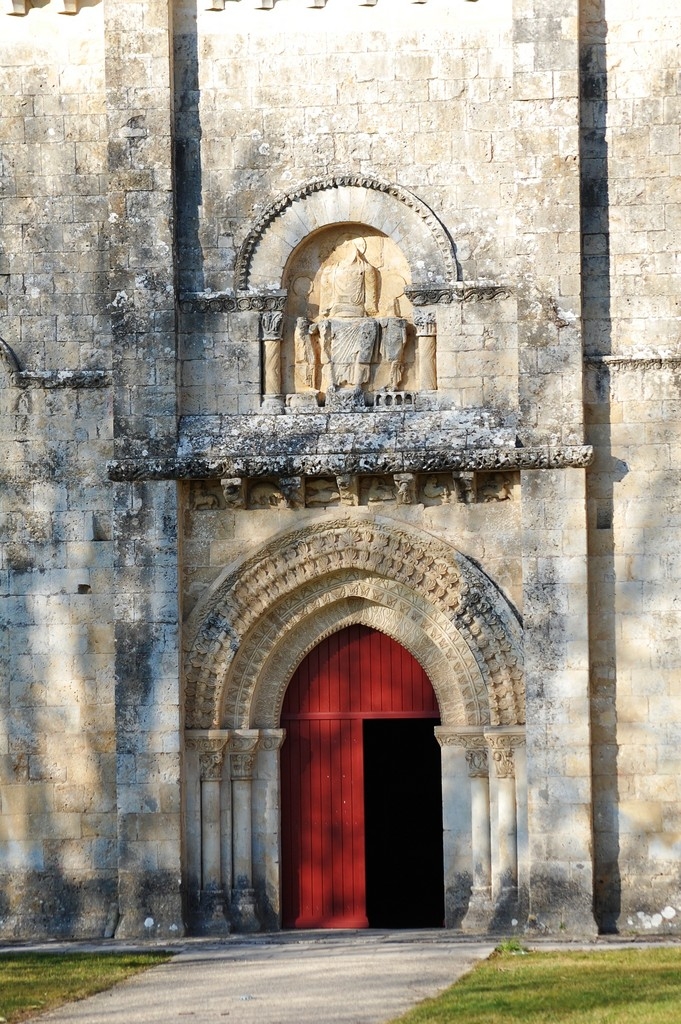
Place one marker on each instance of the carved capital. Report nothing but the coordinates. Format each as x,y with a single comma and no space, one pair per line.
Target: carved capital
425,322
271,324
211,750
243,748
271,739
502,746
478,765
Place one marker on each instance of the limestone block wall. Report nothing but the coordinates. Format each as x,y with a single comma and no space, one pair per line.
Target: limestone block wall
268,100
57,782
631,118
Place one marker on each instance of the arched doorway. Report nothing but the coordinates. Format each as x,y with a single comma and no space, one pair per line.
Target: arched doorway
361,788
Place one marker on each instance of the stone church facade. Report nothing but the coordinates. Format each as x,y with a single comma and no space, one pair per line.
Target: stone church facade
320,316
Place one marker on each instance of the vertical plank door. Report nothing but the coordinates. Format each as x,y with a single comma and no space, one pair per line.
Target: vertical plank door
355,674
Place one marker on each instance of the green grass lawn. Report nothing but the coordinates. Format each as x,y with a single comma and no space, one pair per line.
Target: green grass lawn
632,986
33,982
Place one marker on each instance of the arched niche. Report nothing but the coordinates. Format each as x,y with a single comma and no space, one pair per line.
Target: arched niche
353,199
381,274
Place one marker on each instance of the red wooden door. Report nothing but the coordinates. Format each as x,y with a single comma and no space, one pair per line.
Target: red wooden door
355,674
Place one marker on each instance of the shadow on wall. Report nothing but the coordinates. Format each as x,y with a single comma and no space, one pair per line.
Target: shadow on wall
606,470
58,871
189,186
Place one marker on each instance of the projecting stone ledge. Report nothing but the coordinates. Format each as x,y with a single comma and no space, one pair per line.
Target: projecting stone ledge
414,459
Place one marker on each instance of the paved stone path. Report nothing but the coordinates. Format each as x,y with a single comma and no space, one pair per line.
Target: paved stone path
296,978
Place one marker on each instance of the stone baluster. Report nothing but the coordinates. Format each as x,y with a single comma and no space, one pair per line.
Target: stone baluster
243,747
271,324
426,344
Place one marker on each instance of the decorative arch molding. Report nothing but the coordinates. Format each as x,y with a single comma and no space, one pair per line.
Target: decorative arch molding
261,618
350,198
275,648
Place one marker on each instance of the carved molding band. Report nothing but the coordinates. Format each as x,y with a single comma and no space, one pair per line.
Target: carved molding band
222,303
461,291
303,192
239,634
333,464
649,362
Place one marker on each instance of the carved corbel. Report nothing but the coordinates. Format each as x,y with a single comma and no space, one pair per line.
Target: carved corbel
464,485
234,491
69,7
405,486
348,488
425,324
292,489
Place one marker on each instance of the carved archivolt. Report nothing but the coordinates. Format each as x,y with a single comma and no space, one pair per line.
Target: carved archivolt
349,198
245,640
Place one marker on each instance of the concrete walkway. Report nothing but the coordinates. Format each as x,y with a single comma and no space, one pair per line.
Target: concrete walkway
293,978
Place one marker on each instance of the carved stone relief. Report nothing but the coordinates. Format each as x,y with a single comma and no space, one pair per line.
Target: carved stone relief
348,333
295,491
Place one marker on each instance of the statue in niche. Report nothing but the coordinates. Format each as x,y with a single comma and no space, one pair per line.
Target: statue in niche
348,320
305,355
349,287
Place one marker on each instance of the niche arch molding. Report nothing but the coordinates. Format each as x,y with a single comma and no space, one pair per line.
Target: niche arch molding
342,199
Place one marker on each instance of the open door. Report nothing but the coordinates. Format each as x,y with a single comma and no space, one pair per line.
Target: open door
359,716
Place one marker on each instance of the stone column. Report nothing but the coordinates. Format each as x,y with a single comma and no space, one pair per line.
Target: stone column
466,818
478,772
243,748
266,829
271,324
426,346
212,900
501,748
208,913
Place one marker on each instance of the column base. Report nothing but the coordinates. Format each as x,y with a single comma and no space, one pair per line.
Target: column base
273,405
209,918
243,912
480,913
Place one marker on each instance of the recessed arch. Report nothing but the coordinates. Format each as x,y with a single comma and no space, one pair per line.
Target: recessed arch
267,612
340,199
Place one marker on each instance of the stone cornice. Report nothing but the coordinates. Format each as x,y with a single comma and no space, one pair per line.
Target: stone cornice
434,460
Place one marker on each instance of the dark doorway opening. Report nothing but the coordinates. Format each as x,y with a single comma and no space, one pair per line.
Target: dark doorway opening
403,824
